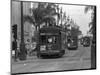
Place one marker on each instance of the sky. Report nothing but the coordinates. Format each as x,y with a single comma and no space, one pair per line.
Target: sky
77,13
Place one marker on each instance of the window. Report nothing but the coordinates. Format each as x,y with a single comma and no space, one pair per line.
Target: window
43,39
52,39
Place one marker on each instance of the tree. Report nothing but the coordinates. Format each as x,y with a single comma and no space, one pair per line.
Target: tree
92,24
43,13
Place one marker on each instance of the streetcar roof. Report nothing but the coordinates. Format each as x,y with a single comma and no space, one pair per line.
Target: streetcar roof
51,28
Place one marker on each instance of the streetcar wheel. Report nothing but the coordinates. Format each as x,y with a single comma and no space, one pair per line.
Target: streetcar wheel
38,55
60,55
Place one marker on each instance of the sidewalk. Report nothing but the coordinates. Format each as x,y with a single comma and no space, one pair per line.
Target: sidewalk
28,59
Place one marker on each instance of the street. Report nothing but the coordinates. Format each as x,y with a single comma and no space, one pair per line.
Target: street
73,59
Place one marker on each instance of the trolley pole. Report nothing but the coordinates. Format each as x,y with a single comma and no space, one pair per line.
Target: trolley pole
61,16
23,51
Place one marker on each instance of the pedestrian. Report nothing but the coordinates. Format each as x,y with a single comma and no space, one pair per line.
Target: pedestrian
14,48
16,52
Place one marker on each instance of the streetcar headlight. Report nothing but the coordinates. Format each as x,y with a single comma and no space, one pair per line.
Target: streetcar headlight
50,40
68,44
42,47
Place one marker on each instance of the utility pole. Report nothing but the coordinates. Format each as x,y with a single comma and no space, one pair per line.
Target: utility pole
23,51
61,16
58,15
93,46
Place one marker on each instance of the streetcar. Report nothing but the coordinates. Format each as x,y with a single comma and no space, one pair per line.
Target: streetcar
72,42
51,41
81,41
86,41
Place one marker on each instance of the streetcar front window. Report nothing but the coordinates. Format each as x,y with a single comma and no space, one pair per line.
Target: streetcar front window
48,39
52,39
43,39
